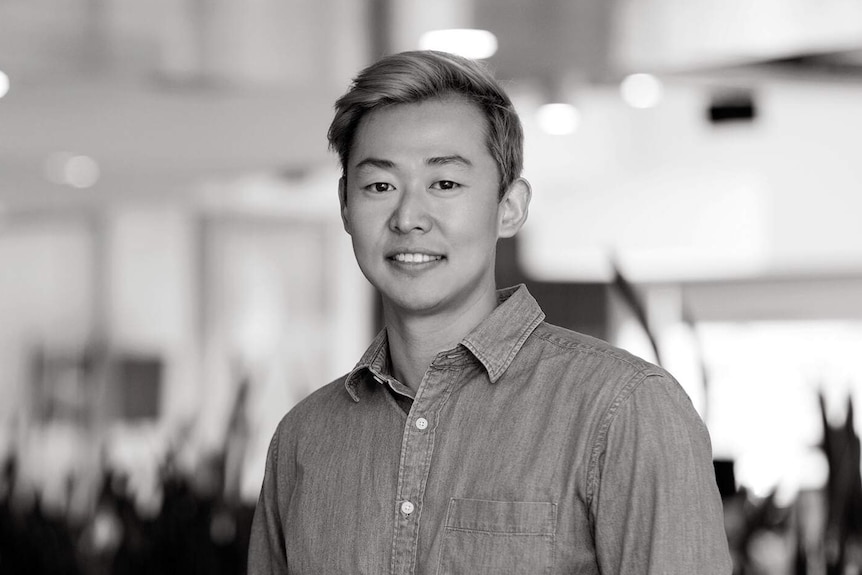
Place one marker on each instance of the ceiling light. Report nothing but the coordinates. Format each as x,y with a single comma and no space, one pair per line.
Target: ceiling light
82,172
4,84
558,119
475,44
641,90
72,170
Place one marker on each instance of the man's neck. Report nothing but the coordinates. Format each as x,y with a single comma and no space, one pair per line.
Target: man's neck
414,340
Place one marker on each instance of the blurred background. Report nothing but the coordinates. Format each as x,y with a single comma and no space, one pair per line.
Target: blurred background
174,277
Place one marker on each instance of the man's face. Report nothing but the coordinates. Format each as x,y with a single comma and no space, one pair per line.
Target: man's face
420,201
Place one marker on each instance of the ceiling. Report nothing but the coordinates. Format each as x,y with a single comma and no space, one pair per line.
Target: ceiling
162,94
165,92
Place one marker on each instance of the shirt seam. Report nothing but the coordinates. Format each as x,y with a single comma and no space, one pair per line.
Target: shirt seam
600,443
587,348
275,446
499,533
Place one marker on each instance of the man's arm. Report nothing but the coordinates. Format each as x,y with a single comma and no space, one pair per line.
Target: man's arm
655,501
266,552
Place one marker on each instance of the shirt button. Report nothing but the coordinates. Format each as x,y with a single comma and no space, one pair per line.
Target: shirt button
407,508
421,424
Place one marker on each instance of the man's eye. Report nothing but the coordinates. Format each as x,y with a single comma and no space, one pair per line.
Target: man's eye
379,187
446,185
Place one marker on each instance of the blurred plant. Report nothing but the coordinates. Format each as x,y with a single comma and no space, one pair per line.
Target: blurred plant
197,524
759,534
843,534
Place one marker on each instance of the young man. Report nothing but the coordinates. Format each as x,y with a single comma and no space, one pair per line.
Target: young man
472,437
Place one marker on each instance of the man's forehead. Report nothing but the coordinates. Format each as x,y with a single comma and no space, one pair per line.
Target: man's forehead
440,131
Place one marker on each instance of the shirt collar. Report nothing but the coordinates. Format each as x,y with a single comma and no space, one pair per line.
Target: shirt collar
497,340
494,342
375,358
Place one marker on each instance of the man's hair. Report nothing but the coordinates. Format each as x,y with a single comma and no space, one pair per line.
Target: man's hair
412,77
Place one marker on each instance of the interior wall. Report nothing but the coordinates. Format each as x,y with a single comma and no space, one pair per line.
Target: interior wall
670,196
46,299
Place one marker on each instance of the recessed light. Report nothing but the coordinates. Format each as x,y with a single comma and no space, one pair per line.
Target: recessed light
558,119
641,91
470,43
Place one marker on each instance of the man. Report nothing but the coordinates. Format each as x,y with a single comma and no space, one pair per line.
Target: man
472,437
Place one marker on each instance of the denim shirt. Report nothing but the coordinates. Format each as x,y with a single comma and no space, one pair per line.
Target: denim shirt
527,448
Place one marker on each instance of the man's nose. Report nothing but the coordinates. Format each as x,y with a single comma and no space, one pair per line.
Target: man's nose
411,213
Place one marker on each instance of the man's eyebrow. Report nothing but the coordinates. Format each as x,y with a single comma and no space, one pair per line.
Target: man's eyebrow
376,163
444,160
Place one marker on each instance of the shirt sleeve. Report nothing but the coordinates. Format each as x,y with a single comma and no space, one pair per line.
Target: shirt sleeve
266,552
655,503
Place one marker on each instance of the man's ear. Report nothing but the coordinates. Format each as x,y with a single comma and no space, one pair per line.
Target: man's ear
342,200
513,208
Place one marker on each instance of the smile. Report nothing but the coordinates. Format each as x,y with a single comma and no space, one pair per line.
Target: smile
412,258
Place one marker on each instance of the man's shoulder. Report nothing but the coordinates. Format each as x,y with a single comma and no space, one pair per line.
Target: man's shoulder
586,349
328,392
606,377
317,406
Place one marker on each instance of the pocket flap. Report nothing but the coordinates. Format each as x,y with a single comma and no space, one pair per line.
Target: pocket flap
521,517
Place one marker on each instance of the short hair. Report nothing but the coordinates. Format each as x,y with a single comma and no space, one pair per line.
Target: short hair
416,76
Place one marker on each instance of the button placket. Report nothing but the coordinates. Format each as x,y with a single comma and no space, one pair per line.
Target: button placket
417,445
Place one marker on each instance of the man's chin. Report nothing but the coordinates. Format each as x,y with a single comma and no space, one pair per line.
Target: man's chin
413,304
428,298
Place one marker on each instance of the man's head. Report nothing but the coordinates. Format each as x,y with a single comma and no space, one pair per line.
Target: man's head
413,77
431,154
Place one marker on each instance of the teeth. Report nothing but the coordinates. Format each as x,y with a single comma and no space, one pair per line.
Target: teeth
415,258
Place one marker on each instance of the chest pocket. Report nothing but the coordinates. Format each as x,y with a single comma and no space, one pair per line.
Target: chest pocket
499,537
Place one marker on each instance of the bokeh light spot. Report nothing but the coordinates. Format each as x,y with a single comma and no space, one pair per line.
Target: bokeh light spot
641,91
474,44
4,84
558,119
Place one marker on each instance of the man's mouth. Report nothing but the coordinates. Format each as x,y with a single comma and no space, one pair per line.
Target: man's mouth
414,258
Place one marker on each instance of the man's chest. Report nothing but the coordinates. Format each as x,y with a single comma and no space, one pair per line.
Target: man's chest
454,486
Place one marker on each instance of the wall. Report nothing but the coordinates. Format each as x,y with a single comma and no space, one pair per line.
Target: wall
674,198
